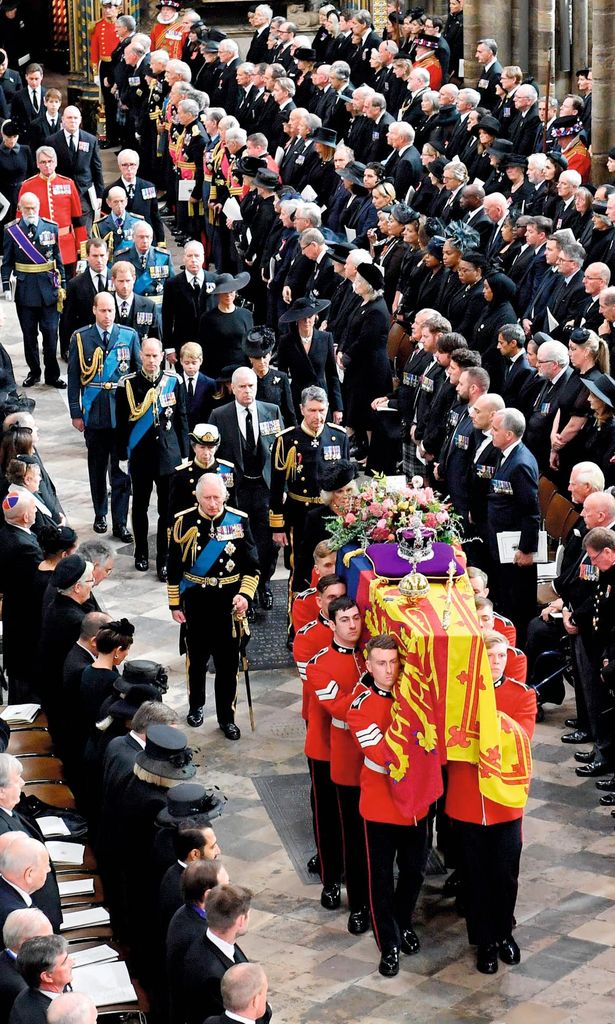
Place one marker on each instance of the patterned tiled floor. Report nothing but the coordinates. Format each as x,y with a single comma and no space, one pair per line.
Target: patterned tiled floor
318,972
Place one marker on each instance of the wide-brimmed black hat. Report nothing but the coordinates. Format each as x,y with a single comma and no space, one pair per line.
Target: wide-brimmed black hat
500,147
166,754
216,35
603,387
302,308
514,160
353,172
347,93
436,167
372,274
189,800
209,45
326,136
68,572
338,251
266,179
227,283
404,214
489,124
134,696
558,159
305,53
249,165
337,474
599,209
258,342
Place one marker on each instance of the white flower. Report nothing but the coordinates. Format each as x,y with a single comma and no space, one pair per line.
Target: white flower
416,482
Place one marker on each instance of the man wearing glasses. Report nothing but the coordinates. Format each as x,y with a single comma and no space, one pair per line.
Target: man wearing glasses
141,193
554,368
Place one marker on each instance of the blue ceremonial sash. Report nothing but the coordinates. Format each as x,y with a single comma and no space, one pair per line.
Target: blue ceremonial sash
110,366
210,554
146,421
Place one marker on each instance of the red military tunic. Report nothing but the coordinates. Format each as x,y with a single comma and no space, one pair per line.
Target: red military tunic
330,680
304,608
504,626
60,202
516,665
168,36
579,160
310,639
369,717
464,800
103,41
432,66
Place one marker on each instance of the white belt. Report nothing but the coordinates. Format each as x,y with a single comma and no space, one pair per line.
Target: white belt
374,767
338,723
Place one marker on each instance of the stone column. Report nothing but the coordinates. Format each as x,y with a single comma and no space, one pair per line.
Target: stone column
603,103
477,14
541,40
580,49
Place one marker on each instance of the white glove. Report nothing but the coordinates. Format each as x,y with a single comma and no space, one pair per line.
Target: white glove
96,79
8,296
123,464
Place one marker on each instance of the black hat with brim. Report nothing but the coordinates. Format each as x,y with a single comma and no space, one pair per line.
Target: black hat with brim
487,124
226,283
558,159
134,696
338,251
603,387
266,179
166,754
303,308
326,137
259,342
250,165
404,214
337,474
353,172
305,53
190,800
500,147
371,273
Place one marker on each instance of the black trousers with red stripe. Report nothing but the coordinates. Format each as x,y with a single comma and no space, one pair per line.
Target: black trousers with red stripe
354,849
489,862
327,826
392,906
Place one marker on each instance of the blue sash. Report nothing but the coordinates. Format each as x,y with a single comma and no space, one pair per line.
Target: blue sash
143,424
210,554
110,368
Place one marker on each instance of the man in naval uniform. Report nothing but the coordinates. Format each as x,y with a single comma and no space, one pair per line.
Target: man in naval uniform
212,578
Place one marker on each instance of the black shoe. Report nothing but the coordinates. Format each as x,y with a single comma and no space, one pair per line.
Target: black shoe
389,963
313,865
487,959
251,614
358,922
31,380
571,723
100,524
266,598
123,533
608,800
592,770
59,384
606,785
452,885
584,756
578,736
231,731
162,573
195,718
141,564
330,897
410,943
509,951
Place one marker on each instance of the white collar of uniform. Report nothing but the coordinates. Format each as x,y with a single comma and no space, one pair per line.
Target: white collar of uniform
136,737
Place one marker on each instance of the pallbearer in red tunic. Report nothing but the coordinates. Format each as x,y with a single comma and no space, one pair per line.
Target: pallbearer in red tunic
60,202
316,634
330,683
304,607
389,835
103,41
489,834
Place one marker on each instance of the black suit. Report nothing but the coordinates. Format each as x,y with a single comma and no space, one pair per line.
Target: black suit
11,984
187,925
84,166
40,130
405,169
182,309
479,220
30,1007
143,316
143,202
258,51
204,967
20,556
361,72
565,304
486,85
523,131
379,147
10,900
46,899
78,305
170,898
23,113
514,379
314,367
119,760
226,94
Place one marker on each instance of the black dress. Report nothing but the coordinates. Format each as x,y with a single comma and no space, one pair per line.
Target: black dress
598,445
368,371
221,337
316,366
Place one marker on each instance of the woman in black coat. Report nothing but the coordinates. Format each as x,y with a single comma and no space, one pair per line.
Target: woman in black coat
307,355
338,487
365,359
498,290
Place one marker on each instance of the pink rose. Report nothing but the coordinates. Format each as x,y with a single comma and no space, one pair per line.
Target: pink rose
442,517
382,524
350,518
431,520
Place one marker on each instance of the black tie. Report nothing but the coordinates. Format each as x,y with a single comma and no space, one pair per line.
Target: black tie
250,439
124,310
507,369
196,287
190,389
101,283
144,261
105,338
35,101
71,145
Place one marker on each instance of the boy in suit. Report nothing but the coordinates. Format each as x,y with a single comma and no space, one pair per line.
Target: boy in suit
199,388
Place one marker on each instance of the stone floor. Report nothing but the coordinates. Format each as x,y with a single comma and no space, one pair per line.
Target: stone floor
318,972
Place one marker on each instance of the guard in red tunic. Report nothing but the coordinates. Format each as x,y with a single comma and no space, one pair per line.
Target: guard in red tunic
167,34
331,682
305,607
60,202
489,834
390,837
316,634
103,42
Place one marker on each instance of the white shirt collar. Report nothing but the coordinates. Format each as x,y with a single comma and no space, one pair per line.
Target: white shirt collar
513,359
557,377
200,277
136,737
237,1016
506,451
24,895
226,947
490,63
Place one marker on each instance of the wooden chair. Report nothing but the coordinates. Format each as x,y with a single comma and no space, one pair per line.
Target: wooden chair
42,769
55,793
561,517
31,742
546,491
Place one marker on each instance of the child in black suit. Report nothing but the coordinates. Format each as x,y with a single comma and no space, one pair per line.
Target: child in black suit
198,387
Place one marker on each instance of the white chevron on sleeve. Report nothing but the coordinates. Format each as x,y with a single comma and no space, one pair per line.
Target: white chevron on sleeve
328,692
370,736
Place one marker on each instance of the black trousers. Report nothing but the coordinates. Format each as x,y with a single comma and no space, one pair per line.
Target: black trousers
103,460
353,847
209,633
110,105
143,481
328,828
515,595
45,319
598,701
392,906
489,863
253,498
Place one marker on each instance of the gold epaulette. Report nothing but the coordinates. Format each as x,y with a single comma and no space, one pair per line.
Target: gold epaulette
237,511
127,376
185,511
336,426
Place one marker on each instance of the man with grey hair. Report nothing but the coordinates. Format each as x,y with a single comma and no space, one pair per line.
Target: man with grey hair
261,20
322,281
403,164
512,505
466,101
79,158
554,368
189,164
47,969
20,556
24,867
248,429
72,1008
486,54
376,110
141,193
226,93
364,40
566,301
19,926
299,457
524,127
